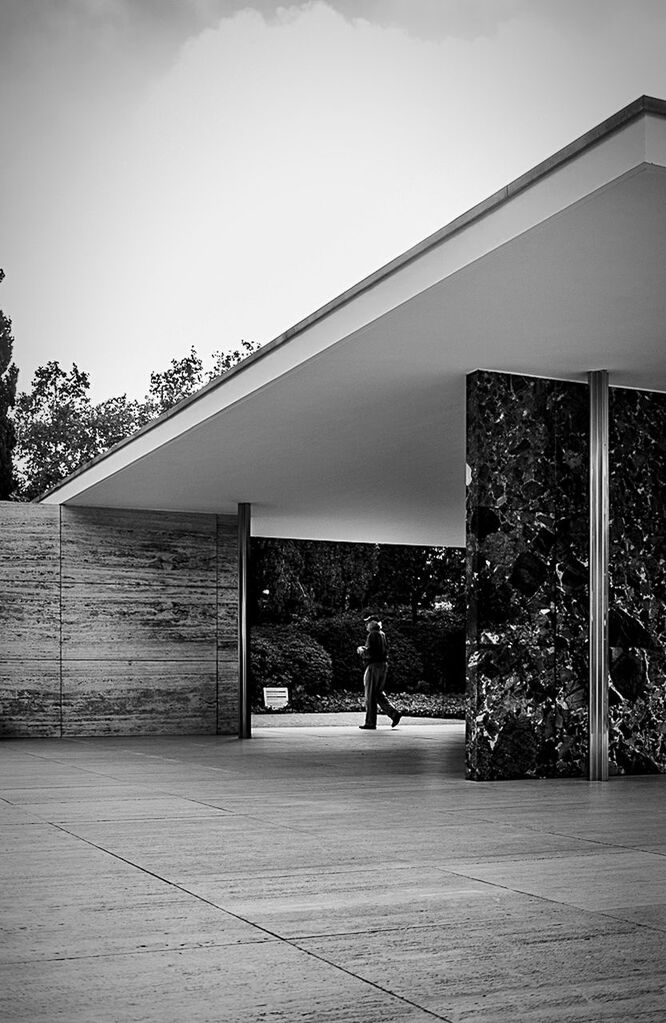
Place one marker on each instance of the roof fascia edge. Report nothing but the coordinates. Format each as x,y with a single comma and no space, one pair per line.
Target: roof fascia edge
640,107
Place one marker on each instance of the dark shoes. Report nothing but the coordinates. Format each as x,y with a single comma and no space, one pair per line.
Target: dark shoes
372,728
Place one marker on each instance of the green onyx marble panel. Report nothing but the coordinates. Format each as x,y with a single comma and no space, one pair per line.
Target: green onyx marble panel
637,587
527,536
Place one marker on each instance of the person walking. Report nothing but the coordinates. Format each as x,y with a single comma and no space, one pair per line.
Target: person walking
375,658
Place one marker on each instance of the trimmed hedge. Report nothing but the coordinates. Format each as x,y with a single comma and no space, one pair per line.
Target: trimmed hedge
439,638
340,636
286,656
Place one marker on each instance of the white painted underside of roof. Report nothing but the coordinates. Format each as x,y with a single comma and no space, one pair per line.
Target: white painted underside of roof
353,427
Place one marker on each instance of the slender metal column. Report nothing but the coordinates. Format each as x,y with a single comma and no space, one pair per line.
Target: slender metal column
599,543
244,709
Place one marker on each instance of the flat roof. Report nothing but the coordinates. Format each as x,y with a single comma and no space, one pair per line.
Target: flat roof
350,425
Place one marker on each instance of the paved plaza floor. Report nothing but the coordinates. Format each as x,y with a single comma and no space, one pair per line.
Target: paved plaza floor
323,874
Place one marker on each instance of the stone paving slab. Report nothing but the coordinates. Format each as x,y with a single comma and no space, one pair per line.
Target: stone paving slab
228,984
322,874
601,880
531,973
112,915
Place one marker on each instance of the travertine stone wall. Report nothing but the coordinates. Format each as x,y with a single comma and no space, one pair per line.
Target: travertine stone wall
137,623
29,620
527,542
227,626
637,615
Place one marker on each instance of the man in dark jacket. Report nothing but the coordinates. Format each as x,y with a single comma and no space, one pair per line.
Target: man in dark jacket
375,657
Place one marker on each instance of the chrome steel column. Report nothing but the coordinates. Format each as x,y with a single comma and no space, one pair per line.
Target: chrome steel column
244,709
599,533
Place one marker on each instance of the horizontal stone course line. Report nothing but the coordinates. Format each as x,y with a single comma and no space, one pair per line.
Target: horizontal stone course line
18,658
167,949
62,821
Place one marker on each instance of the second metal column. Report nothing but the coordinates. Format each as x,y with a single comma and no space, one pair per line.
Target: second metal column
599,544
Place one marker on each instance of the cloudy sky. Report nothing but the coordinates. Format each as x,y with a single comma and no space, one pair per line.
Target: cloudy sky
179,172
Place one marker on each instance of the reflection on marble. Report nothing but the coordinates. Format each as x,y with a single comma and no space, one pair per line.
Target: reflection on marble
527,539
637,619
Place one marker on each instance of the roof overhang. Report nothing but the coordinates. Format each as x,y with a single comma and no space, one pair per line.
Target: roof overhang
351,425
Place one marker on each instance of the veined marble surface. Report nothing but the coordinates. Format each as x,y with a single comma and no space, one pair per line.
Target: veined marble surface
527,530
637,699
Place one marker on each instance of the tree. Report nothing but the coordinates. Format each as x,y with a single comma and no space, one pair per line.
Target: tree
113,420
51,427
186,376
310,578
59,429
55,428
415,576
181,379
339,575
8,381
224,361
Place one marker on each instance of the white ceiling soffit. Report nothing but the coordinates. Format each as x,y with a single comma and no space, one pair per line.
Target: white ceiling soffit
351,426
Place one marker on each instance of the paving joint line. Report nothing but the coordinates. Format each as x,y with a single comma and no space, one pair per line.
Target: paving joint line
545,855
265,930
371,983
579,838
446,870
551,901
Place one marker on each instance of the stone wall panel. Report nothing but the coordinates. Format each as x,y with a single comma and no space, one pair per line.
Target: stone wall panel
138,585
29,698
163,550
526,577
137,622
29,581
125,697
637,697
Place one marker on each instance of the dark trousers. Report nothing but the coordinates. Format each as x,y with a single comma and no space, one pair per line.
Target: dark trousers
374,681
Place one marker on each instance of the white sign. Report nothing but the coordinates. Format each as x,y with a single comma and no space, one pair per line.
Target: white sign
276,697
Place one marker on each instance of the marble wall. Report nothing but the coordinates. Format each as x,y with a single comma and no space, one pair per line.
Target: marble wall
117,622
527,541
637,585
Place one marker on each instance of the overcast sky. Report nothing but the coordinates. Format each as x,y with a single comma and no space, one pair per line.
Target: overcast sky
179,172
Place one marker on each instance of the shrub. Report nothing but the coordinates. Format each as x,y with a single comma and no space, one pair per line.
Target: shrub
405,672
439,638
340,637
285,656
